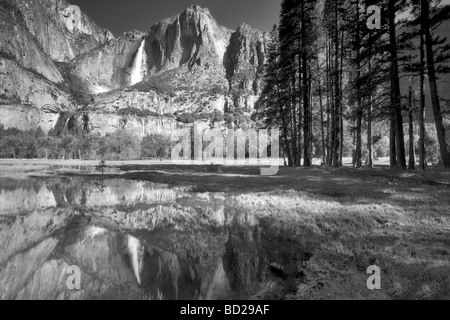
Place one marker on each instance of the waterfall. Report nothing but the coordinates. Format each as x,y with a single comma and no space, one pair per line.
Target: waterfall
93,232
134,247
137,72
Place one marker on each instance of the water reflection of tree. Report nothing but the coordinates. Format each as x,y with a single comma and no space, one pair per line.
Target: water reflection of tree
243,263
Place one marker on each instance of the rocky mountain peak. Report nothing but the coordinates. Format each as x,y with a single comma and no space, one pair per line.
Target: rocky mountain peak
196,8
189,38
245,27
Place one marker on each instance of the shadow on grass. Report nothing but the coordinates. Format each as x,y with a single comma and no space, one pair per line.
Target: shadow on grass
329,183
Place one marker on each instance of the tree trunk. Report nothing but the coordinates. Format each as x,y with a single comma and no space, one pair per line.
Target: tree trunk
369,109
329,102
358,152
333,107
359,114
369,133
336,133
305,87
445,155
395,89
306,116
412,158
285,131
421,116
341,106
294,124
392,151
299,124
322,125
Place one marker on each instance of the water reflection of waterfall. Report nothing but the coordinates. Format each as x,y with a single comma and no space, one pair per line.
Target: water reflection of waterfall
134,247
137,72
93,232
184,245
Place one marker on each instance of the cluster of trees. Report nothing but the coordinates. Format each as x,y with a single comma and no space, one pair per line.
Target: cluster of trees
189,118
20,144
331,79
156,146
232,118
120,145
141,113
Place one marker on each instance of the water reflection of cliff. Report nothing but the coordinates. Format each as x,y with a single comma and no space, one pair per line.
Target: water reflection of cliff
130,240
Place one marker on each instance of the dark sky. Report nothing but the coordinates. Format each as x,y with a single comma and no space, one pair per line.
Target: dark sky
125,15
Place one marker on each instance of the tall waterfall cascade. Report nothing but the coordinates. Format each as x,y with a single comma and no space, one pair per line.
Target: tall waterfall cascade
138,68
135,251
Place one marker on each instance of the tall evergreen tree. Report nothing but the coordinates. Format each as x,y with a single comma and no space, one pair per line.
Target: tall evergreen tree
428,19
272,108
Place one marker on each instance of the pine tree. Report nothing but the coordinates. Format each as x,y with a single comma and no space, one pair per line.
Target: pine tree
271,106
289,48
308,43
420,68
428,19
332,21
397,119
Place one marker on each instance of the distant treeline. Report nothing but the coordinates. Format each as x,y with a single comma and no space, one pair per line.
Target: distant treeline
76,144
123,145
120,145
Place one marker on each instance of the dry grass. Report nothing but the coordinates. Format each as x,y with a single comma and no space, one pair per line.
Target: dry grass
346,222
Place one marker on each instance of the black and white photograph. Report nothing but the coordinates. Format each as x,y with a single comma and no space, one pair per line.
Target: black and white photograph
226,154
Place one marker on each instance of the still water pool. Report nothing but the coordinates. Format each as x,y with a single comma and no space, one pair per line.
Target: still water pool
129,239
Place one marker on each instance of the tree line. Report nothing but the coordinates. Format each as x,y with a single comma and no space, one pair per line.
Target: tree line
331,82
120,145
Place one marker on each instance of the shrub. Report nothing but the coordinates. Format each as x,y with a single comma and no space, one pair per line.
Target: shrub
138,112
186,118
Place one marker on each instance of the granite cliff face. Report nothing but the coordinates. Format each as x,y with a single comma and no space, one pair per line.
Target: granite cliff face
106,67
246,56
192,64
190,38
53,58
62,30
20,46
